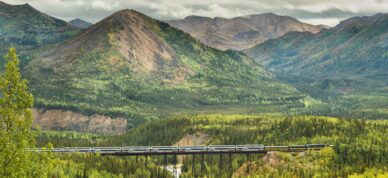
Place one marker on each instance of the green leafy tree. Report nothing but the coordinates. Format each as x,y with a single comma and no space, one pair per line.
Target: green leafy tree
16,136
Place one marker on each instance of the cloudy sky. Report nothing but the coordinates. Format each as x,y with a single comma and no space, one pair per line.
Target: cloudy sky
328,12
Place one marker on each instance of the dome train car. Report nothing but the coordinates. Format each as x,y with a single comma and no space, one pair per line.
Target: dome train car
162,149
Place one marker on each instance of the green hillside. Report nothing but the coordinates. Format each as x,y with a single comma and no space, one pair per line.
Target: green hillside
130,65
345,67
24,27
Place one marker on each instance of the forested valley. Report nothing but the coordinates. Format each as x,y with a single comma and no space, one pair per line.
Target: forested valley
130,80
360,147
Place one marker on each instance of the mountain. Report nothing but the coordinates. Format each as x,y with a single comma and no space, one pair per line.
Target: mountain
130,64
79,23
355,47
241,32
345,66
25,27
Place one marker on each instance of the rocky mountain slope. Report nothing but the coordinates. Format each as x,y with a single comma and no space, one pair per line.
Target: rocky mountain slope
241,32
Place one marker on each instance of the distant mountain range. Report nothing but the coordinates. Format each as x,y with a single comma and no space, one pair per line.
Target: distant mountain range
356,47
345,66
25,27
79,23
241,32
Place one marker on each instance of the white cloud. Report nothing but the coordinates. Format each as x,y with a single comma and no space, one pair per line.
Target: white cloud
319,7
102,5
322,21
327,12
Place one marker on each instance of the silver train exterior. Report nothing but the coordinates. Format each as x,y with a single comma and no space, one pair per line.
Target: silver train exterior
211,148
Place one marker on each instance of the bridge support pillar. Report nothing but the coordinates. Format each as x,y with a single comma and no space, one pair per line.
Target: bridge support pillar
146,161
230,165
248,163
202,163
220,166
165,166
193,165
132,166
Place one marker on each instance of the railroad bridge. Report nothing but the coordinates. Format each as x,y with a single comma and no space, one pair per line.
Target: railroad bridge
188,150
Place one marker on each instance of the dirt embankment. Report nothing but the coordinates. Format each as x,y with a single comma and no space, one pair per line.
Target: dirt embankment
71,121
198,138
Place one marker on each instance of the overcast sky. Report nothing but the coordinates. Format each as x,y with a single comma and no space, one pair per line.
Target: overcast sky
327,12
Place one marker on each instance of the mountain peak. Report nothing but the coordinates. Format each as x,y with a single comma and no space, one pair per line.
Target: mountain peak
27,5
128,19
126,12
129,34
361,19
196,17
76,19
5,4
355,21
79,23
127,16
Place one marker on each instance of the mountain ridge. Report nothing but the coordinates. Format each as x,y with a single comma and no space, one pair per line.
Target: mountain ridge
240,33
79,23
26,28
327,49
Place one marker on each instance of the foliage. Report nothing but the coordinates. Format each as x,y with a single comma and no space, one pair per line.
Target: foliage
68,139
89,165
359,145
15,124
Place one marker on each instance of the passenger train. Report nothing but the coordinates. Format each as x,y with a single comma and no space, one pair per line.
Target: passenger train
169,149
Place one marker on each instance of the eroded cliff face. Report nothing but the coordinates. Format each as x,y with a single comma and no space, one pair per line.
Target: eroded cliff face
71,121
